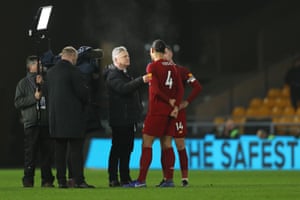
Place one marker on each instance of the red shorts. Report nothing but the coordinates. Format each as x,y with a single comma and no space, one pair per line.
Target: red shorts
179,125
158,126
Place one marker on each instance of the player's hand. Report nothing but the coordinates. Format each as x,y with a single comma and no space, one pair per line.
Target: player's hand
172,102
183,105
174,112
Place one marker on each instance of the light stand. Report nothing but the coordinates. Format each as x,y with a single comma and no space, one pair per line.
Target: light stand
39,27
38,31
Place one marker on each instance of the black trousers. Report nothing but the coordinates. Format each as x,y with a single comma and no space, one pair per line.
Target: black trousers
121,148
75,146
38,146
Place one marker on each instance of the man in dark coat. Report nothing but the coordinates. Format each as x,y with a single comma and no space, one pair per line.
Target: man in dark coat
30,99
67,97
124,113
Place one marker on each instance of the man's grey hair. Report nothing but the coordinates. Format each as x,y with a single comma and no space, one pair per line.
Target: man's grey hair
116,51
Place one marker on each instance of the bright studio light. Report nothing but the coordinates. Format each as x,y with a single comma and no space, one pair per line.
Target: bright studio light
44,18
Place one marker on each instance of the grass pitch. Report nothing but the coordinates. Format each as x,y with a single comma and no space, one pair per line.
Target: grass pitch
211,185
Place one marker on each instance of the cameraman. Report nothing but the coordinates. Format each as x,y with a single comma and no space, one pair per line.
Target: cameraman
30,99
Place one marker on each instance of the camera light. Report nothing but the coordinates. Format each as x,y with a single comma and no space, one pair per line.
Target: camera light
44,18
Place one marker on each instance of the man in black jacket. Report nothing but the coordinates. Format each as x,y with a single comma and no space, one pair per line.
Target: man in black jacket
30,99
124,112
68,96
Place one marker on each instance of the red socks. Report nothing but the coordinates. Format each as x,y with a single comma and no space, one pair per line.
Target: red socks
145,162
183,163
168,162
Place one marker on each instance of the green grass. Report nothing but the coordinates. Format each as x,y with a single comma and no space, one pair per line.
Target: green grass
212,185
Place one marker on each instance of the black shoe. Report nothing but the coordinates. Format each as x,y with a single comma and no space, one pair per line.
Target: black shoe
48,185
125,182
167,183
71,183
27,182
161,182
63,185
83,185
114,184
27,185
184,183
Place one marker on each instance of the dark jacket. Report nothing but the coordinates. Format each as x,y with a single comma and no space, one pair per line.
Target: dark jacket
26,102
125,106
67,97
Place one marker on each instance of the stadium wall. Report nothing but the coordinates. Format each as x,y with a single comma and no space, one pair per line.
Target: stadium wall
247,153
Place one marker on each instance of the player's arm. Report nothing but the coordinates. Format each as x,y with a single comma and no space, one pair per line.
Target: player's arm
196,88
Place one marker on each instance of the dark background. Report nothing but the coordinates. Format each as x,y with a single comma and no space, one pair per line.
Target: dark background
216,37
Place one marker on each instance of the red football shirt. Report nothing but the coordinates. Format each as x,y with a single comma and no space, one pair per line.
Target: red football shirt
165,84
